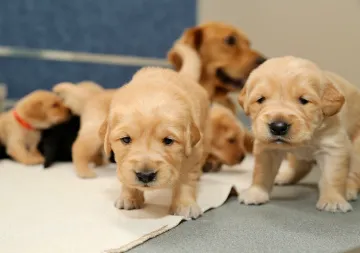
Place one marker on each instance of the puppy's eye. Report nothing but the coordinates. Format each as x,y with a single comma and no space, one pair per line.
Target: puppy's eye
232,140
230,40
260,100
303,101
168,141
126,140
55,105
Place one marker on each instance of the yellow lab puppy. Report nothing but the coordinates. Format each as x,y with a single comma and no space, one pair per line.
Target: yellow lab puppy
155,128
298,108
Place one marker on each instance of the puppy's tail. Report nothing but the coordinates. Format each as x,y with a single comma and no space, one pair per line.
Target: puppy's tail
75,96
191,62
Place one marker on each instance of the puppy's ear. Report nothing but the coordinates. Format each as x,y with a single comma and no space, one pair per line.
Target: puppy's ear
35,110
242,101
104,136
192,37
332,100
192,137
248,142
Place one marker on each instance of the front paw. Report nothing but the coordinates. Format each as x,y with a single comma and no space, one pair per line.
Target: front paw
84,174
186,210
34,160
351,192
284,178
254,196
333,204
130,203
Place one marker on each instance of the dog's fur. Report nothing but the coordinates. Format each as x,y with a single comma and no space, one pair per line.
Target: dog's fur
155,106
40,110
91,102
230,140
226,57
297,92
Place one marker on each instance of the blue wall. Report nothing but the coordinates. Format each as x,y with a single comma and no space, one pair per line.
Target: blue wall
145,28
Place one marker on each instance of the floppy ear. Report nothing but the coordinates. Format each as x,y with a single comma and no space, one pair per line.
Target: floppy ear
35,110
242,101
192,37
332,100
104,136
192,137
248,142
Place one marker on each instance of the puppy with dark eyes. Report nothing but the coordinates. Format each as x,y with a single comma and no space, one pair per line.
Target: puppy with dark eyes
20,128
230,140
156,126
297,108
226,55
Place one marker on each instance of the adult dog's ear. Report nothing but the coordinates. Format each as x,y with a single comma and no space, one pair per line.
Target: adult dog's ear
192,37
192,137
104,136
243,100
332,100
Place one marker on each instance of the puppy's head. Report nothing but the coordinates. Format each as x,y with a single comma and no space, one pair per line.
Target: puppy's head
230,140
288,99
226,54
42,109
76,95
150,140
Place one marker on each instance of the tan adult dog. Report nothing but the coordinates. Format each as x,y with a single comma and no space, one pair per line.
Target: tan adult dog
226,57
91,102
296,107
155,128
20,128
230,140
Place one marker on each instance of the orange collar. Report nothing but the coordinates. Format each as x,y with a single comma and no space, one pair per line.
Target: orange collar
22,122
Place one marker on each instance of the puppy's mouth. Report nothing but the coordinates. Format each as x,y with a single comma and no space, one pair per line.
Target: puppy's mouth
280,141
237,83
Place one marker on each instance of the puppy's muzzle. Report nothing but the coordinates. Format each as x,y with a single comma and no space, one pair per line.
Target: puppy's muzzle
227,79
146,176
279,128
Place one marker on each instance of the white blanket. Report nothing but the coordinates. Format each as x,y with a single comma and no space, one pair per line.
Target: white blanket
53,211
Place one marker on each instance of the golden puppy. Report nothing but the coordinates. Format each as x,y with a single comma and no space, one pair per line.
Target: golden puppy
226,56
156,127
294,107
91,102
230,140
20,128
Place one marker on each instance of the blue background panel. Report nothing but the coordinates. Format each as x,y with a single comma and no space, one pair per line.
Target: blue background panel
25,75
128,27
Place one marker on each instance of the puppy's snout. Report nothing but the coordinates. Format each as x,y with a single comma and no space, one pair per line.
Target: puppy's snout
279,128
146,176
260,60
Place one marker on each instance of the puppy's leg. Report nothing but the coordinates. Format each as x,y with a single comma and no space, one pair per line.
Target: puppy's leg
332,184
130,198
296,171
184,196
267,164
353,181
18,151
99,159
84,149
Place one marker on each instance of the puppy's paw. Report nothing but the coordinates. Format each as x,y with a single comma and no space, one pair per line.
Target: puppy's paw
333,204
34,160
188,211
284,178
351,194
86,174
254,196
128,203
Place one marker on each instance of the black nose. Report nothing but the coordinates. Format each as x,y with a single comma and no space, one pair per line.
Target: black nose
146,176
241,158
260,60
279,128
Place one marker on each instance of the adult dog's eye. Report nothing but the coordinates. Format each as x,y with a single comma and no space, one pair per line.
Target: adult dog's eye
260,100
168,141
232,140
303,101
126,140
230,40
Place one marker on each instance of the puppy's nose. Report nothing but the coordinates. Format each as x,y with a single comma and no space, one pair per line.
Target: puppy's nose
146,176
241,158
279,128
260,60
